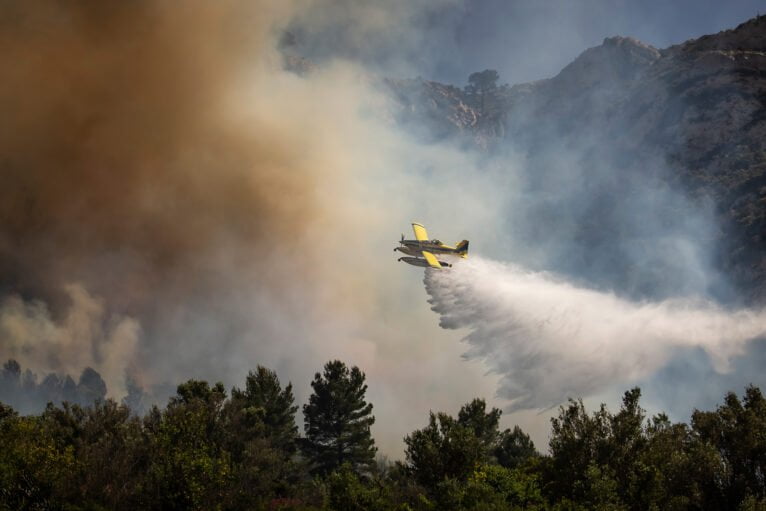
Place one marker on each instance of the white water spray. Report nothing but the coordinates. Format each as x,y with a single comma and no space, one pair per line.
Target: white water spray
550,340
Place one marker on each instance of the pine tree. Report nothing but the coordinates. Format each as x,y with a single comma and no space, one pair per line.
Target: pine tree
514,447
91,387
264,402
10,382
484,424
338,419
481,85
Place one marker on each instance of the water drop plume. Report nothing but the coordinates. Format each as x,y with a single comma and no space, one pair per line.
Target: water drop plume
549,339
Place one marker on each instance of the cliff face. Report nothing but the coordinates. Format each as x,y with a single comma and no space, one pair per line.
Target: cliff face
435,111
691,117
706,99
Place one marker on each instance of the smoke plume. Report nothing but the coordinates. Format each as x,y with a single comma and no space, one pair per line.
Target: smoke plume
84,337
174,204
550,340
156,160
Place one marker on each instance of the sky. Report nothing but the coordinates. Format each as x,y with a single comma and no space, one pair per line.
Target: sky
528,40
174,204
524,40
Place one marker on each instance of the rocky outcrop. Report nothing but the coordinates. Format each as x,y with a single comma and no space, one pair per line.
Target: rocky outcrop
442,107
439,111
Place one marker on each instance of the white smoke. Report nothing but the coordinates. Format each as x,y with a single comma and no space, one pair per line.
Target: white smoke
86,336
549,339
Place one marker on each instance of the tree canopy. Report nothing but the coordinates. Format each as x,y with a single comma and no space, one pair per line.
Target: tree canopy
482,85
264,409
337,420
207,449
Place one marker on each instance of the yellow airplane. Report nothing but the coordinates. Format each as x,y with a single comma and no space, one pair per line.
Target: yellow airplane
422,249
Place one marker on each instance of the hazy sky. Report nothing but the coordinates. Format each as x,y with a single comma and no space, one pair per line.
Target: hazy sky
528,40
524,39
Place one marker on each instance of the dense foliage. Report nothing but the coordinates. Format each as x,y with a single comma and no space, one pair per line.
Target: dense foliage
206,450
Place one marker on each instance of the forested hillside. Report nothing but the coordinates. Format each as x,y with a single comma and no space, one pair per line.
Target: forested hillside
213,449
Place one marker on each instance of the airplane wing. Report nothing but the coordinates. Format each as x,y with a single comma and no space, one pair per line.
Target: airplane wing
420,232
432,259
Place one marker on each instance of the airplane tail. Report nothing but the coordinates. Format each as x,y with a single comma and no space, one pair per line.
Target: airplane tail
462,248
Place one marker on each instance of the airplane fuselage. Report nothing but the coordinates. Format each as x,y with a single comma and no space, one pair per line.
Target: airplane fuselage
415,247
423,251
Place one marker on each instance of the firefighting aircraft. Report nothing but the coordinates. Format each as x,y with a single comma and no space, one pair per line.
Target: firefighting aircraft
423,250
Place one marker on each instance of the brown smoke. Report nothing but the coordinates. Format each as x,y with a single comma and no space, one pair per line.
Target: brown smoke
119,168
154,154
173,203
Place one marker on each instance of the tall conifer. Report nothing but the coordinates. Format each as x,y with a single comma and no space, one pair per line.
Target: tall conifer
338,419
264,403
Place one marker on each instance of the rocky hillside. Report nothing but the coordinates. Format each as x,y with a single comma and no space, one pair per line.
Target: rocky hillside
692,117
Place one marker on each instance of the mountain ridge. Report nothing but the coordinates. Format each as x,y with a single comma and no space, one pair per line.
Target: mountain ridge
696,110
